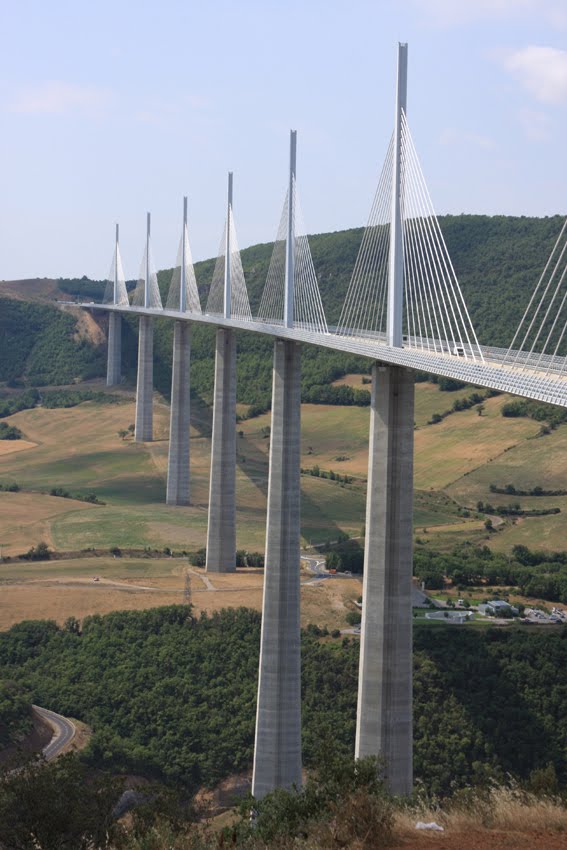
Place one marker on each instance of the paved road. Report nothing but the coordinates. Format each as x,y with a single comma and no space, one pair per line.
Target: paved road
317,567
63,732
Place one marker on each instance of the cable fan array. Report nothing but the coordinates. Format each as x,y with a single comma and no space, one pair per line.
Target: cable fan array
239,303
543,326
365,306
435,317
147,275
115,290
184,263
308,313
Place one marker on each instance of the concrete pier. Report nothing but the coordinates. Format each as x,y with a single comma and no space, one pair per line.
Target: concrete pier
178,458
145,384
277,753
384,715
114,361
221,534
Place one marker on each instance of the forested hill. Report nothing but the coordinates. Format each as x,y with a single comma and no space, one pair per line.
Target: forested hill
173,696
498,261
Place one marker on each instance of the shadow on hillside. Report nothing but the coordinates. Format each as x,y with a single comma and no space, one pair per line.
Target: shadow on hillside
253,463
492,686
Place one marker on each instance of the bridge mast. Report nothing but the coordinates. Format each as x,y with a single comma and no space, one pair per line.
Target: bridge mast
145,383
114,353
183,277
290,242
147,286
396,265
115,297
227,253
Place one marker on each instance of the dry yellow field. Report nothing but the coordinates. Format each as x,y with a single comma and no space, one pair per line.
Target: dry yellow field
79,449
352,381
8,447
27,518
57,590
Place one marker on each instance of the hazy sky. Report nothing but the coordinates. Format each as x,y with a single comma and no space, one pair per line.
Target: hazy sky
113,108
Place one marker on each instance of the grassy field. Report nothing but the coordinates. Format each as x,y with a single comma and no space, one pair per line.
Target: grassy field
80,450
60,589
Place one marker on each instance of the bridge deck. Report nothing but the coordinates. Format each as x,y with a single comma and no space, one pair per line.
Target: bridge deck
518,373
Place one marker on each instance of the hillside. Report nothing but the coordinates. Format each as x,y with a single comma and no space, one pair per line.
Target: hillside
498,260
467,453
96,489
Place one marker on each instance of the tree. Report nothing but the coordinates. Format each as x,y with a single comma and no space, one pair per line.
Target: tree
333,561
56,806
488,524
131,427
480,409
198,558
353,618
123,433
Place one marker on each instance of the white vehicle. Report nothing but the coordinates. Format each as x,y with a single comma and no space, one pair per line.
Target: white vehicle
458,351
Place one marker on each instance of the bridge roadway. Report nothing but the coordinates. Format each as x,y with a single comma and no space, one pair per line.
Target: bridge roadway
532,377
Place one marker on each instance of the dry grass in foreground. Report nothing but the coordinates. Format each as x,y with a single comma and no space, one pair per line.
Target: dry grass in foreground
502,816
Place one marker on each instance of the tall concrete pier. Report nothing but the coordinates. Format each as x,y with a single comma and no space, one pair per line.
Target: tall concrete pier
384,714
221,534
145,384
277,752
113,363
178,458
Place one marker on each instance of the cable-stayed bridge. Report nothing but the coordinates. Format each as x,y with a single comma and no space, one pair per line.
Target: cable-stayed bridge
404,309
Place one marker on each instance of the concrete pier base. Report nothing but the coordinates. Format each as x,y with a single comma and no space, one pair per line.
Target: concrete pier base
221,534
145,384
384,715
178,459
277,753
114,361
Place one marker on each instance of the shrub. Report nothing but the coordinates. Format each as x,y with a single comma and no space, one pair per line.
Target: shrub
353,618
198,558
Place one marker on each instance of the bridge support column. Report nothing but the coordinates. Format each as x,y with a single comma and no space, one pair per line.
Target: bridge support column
221,534
178,458
113,363
277,753
145,384
384,714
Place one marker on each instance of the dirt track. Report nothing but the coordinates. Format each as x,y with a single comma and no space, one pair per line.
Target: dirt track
485,840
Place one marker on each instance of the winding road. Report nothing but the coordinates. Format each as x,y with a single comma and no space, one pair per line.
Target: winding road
64,732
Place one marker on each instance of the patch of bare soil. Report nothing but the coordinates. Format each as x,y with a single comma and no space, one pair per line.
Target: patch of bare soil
87,327
485,840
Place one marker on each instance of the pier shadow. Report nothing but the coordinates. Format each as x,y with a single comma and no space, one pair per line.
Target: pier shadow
492,685
253,464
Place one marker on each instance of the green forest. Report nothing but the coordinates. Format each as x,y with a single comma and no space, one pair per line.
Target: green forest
172,697
498,261
15,713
